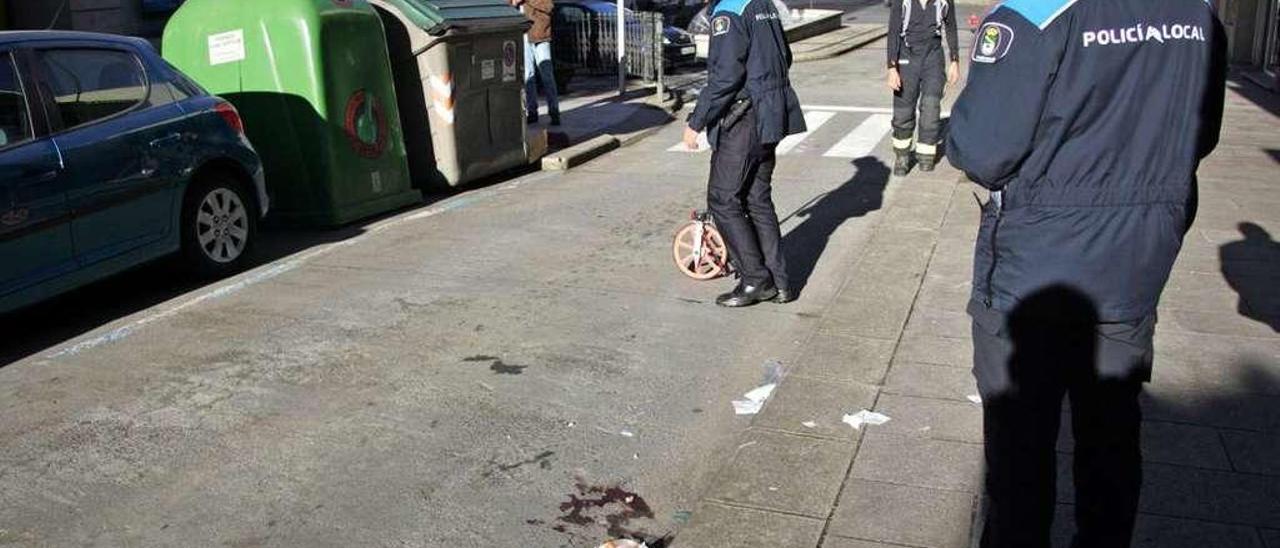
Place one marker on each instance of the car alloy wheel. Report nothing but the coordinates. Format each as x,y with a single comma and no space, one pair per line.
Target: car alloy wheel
222,226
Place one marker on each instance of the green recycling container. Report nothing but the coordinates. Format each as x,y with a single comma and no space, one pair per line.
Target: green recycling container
459,76
312,80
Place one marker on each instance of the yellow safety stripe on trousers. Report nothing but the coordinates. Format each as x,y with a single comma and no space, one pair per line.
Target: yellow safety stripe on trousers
926,149
902,143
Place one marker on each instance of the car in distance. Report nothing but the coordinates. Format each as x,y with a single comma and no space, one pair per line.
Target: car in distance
110,158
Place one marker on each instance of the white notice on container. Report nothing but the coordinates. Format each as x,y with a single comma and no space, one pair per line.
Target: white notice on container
226,47
486,69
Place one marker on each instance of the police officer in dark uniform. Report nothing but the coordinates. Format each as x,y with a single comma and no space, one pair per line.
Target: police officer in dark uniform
917,77
746,108
1087,120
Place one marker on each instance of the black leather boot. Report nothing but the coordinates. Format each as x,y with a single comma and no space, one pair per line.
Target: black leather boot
747,295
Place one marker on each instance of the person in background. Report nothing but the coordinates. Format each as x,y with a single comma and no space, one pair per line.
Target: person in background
917,76
537,59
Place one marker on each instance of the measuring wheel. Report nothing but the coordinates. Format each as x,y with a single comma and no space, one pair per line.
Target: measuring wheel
699,251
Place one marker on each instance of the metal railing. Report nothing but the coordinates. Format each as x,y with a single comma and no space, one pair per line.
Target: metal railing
588,44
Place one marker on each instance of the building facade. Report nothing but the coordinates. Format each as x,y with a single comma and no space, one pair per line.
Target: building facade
144,18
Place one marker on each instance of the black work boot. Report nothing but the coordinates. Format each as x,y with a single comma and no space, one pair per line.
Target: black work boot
531,118
927,161
901,161
555,118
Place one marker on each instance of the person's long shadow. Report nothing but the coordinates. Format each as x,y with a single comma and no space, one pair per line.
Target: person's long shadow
861,194
1252,267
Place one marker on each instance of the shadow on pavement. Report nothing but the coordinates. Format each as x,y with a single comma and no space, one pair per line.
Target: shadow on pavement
1176,466
1244,87
1252,268
858,196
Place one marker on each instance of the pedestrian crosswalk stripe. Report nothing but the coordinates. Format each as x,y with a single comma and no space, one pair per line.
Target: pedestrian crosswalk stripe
863,139
834,108
866,127
813,120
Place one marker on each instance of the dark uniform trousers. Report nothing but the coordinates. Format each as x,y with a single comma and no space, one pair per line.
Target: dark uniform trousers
740,197
922,68
1025,367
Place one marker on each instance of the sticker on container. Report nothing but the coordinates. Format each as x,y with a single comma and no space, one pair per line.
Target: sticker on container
366,125
226,47
508,61
375,179
487,69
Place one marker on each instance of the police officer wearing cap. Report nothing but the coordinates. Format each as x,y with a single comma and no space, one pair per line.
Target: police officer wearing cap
917,78
1087,121
747,106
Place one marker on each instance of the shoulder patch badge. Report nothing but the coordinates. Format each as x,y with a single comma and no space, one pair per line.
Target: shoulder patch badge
720,25
993,43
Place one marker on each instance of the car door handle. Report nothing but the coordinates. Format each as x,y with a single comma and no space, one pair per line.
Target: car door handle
167,139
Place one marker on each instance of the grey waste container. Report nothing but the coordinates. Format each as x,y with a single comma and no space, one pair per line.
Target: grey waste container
458,67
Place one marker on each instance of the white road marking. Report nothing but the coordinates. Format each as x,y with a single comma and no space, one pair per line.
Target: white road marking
836,108
863,139
814,120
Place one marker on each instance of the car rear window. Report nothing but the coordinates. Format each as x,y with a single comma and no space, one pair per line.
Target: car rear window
15,119
92,84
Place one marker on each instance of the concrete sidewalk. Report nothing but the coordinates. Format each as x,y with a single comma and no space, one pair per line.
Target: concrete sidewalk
896,340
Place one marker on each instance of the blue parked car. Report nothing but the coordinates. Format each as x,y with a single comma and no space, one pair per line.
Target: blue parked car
109,158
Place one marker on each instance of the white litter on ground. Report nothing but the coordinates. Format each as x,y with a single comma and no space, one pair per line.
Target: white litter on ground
860,418
975,399
628,434
752,401
623,544
809,424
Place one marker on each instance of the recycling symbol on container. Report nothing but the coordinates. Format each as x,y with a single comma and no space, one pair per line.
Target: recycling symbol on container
366,125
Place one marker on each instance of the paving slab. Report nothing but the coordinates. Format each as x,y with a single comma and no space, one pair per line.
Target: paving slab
842,542
783,472
930,418
918,462
931,381
716,524
1253,453
1165,532
1199,494
903,515
821,403
1170,443
920,347
852,359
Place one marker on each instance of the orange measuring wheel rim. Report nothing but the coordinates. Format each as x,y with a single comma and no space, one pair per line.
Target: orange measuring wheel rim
713,260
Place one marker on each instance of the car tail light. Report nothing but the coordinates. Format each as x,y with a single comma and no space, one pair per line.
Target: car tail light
230,116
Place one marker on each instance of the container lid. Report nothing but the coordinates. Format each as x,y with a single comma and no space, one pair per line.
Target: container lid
438,17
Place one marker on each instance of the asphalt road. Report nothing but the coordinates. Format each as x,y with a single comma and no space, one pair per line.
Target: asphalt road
518,365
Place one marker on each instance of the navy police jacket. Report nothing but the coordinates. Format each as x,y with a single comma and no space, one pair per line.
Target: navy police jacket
749,58
1090,117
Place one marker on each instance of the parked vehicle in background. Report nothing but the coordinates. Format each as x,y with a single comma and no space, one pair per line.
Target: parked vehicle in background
110,158
584,37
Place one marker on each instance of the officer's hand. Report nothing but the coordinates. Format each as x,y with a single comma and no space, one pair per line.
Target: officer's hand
953,72
895,80
690,138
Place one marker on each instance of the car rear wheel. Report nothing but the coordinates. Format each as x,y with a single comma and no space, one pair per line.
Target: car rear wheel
219,226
